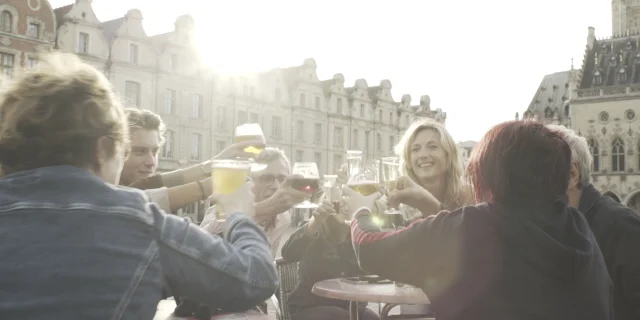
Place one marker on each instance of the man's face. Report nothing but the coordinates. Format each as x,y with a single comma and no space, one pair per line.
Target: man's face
143,160
267,181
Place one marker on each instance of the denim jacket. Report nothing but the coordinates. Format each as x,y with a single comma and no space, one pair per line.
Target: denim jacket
75,247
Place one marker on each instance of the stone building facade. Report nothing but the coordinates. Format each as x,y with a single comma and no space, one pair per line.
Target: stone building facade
605,103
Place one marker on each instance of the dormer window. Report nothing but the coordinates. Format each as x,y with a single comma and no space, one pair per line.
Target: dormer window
622,75
597,78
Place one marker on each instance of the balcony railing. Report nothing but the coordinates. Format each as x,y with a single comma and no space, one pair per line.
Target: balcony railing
617,91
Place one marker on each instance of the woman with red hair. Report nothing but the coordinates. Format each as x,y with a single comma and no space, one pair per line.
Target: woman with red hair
522,253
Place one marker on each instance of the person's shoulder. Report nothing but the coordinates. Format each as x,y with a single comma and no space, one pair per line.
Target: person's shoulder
609,209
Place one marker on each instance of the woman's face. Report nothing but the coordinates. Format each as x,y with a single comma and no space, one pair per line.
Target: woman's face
427,156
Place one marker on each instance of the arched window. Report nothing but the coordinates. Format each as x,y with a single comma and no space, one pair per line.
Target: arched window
6,21
617,155
595,153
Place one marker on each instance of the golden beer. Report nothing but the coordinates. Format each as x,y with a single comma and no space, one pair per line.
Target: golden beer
391,185
365,188
227,175
257,149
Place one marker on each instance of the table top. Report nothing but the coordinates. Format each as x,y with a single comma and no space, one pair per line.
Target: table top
165,312
380,293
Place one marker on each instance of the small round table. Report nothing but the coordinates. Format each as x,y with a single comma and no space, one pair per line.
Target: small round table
389,294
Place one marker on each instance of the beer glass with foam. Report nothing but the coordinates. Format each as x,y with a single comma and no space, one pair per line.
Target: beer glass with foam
250,132
309,183
227,176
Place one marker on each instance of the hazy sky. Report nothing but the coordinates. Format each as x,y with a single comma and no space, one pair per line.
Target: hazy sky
480,61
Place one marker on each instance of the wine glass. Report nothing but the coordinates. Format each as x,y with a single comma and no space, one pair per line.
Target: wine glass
309,183
251,132
332,191
390,172
365,182
354,162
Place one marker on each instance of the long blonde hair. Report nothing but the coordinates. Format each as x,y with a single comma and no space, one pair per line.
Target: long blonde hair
457,192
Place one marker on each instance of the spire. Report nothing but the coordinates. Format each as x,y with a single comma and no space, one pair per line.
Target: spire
571,63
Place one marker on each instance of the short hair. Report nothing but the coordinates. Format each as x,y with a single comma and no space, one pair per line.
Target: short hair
271,154
520,163
55,115
580,152
456,190
146,120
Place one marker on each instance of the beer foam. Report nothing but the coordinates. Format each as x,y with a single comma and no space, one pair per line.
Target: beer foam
237,166
362,183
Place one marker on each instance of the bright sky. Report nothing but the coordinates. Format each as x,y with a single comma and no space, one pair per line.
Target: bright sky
480,61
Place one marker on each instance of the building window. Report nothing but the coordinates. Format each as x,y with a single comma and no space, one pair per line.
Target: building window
378,142
617,156
133,53
354,139
33,30
303,100
391,143
196,106
196,146
6,21
300,130
338,138
220,145
173,62
339,106
276,128
337,162
362,110
83,42
243,117
595,153
597,78
391,118
132,92
221,118
167,148
380,115
317,133
317,102
255,118
169,101
299,155
32,63
622,75
6,62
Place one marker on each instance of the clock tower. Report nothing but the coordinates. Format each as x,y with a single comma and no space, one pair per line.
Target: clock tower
625,17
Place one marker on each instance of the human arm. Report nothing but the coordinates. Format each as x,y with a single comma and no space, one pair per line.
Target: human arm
236,272
305,236
282,200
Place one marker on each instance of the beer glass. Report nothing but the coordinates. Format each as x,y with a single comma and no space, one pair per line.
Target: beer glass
354,162
390,173
227,176
332,191
365,183
309,183
250,132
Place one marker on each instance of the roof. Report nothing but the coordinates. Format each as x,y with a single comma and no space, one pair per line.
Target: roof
111,27
551,96
61,12
612,62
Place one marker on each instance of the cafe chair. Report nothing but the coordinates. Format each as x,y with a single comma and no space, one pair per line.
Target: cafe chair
288,275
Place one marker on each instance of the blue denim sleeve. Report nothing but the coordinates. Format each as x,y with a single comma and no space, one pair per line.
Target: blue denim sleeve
235,273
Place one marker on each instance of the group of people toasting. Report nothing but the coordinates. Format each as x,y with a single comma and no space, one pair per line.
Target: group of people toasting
520,233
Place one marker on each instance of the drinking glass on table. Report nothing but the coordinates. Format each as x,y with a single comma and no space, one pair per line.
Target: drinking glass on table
308,183
227,176
390,167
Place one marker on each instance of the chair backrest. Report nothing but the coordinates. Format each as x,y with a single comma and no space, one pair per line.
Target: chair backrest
288,274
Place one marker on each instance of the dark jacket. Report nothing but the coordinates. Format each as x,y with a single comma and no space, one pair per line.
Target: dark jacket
318,260
617,230
492,262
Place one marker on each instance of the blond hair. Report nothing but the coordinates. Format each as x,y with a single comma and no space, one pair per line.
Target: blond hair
141,119
457,191
55,115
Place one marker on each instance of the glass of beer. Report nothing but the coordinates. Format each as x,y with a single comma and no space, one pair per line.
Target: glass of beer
250,132
390,172
354,162
365,183
332,191
227,176
309,183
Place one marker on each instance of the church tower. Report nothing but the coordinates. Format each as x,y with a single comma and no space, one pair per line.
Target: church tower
625,17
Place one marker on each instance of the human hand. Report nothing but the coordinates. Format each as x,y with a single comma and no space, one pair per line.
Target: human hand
343,174
408,192
354,200
287,196
324,211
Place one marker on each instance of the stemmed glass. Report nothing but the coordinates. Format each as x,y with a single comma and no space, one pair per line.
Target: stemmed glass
227,176
251,132
354,162
332,191
366,183
309,183
390,173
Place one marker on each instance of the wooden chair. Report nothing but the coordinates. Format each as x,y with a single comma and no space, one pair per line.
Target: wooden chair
288,275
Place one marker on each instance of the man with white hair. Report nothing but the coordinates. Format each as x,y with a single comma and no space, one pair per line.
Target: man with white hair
615,226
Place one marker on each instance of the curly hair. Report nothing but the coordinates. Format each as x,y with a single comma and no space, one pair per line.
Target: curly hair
55,115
